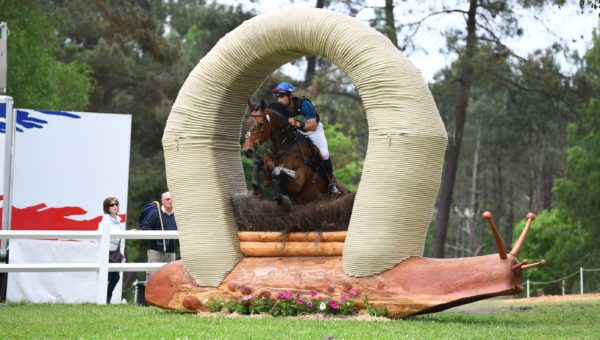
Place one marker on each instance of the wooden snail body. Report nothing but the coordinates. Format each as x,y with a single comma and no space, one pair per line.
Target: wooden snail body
416,285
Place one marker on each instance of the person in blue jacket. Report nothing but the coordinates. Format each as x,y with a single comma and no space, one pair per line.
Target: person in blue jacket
310,126
160,250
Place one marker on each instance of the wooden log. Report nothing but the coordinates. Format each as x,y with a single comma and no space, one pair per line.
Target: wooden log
274,236
300,249
414,286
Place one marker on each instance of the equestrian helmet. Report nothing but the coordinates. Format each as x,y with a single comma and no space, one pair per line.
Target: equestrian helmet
284,88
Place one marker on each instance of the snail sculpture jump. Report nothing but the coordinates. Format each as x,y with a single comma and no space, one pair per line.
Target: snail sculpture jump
416,285
392,210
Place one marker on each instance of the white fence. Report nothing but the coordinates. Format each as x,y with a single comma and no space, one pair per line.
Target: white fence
562,280
101,266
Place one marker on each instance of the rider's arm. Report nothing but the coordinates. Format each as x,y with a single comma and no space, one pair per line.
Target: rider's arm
310,125
310,115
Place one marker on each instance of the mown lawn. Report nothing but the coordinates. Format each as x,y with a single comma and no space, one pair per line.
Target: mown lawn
491,320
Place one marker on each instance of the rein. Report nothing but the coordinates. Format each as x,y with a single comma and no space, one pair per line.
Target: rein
262,131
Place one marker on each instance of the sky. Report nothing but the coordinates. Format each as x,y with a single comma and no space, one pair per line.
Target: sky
564,25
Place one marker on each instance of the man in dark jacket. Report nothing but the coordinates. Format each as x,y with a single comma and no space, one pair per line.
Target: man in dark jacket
161,250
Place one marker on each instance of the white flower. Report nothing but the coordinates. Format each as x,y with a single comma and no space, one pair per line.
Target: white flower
322,306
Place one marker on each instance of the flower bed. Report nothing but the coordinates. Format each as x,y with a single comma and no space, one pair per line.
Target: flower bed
288,303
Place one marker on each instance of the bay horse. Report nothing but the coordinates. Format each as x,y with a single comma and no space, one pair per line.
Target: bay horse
291,165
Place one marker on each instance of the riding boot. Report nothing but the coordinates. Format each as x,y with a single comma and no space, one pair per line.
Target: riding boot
333,190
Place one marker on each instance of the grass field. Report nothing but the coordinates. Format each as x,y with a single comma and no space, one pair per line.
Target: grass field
486,319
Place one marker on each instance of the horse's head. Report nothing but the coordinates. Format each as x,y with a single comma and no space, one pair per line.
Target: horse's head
258,127
266,123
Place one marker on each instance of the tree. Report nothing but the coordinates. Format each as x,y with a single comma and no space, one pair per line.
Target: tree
579,191
37,79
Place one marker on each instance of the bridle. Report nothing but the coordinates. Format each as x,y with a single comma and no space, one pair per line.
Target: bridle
249,134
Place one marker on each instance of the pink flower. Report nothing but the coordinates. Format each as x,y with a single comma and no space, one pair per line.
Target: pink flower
353,292
313,293
266,294
343,298
309,304
333,304
300,301
284,295
239,299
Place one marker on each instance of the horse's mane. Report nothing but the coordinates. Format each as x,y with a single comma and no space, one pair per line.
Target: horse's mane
278,108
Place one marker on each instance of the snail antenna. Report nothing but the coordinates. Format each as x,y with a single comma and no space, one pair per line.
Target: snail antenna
519,243
539,263
499,243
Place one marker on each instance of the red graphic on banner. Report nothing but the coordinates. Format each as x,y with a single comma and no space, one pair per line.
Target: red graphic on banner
42,217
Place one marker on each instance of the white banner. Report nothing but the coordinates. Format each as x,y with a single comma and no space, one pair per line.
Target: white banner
65,164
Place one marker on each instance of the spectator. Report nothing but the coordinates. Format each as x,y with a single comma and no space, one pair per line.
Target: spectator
160,250
112,219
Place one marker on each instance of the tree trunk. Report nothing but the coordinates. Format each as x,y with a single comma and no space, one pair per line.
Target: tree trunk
509,219
311,61
453,150
474,204
390,22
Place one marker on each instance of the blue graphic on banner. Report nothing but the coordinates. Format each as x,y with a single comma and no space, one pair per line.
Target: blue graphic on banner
31,119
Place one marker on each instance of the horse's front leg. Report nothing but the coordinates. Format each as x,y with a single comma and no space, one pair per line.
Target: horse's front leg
278,176
256,170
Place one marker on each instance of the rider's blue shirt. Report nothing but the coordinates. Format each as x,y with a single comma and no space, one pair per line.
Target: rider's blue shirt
308,110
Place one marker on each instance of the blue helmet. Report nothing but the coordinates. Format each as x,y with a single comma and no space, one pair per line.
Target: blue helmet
284,88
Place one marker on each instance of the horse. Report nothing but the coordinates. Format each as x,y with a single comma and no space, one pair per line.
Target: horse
291,165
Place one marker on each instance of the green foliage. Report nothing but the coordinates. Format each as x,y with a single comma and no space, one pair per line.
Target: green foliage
263,304
594,4
374,310
343,151
240,306
560,242
36,78
215,305
579,191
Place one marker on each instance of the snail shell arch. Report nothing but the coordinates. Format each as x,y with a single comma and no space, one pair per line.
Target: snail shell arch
404,159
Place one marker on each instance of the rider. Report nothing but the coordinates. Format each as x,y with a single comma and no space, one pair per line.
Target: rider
311,126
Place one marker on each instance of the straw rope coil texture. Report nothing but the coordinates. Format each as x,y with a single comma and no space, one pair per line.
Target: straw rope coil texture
403,164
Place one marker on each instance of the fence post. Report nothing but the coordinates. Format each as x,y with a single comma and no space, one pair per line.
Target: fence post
102,275
562,286
581,280
528,288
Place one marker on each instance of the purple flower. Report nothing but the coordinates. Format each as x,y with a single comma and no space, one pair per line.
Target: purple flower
313,293
353,292
333,304
309,304
343,298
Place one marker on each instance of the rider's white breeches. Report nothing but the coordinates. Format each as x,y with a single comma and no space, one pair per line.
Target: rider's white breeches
318,138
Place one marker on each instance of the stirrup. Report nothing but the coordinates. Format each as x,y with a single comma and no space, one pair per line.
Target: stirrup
333,190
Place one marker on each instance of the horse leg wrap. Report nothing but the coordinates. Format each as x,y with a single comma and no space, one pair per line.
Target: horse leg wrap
276,185
258,165
278,170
